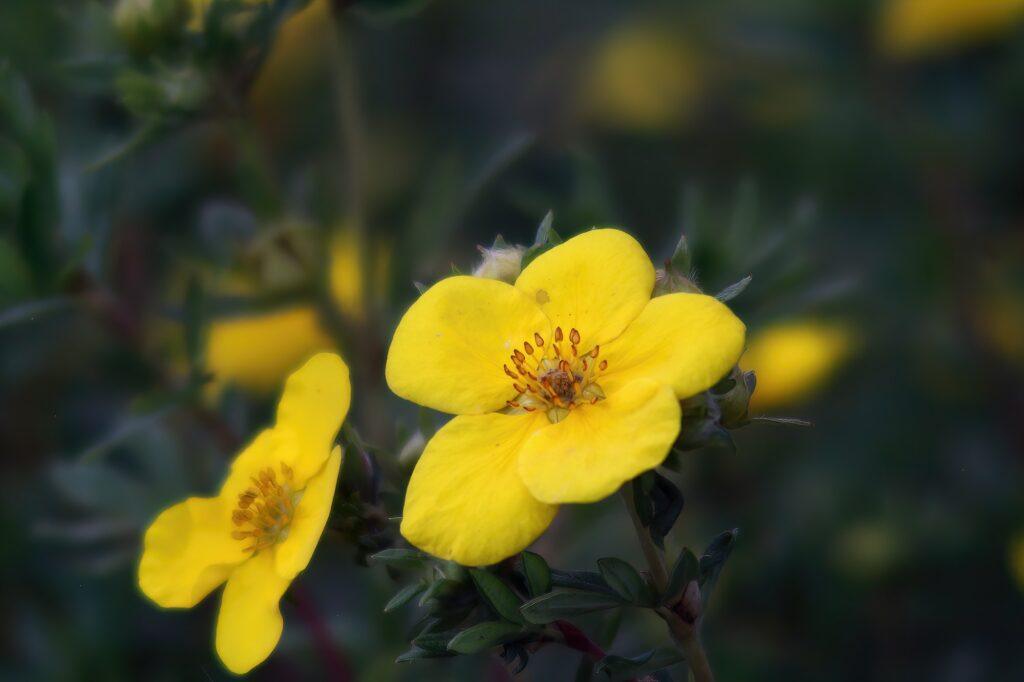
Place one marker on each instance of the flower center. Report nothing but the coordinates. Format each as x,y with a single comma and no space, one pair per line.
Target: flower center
555,378
265,509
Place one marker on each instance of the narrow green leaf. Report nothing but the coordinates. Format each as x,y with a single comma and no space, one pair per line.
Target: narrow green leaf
590,581
404,596
537,572
416,654
733,290
438,588
713,560
624,579
434,641
497,594
686,569
483,636
566,603
627,667
400,558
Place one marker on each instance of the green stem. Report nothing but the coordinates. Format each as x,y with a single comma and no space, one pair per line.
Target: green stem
655,560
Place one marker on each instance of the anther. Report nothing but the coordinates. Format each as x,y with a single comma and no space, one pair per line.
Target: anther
558,333
538,339
593,353
527,347
511,403
574,335
510,372
603,366
519,355
519,389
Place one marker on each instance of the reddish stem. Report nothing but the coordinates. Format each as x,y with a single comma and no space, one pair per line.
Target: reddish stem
336,667
576,639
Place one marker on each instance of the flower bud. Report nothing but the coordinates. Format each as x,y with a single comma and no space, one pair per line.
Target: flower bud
502,261
146,26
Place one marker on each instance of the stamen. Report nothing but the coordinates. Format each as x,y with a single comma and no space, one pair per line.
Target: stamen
556,381
265,512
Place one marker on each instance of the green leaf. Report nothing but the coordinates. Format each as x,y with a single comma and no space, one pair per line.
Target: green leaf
565,604
658,504
434,641
681,260
483,636
713,560
404,596
439,588
626,667
400,558
733,290
686,569
590,581
624,579
537,572
546,239
416,654
497,594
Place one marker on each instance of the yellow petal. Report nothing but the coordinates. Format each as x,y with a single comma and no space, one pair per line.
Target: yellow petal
249,623
596,283
257,352
269,449
597,448
449,348
465,501
793,359
912,28
187,552
688,341
293,554
314,404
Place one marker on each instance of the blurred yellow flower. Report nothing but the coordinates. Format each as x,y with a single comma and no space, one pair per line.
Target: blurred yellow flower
1016,560
566,385
793,359
257,351
642,78
346,272
911,28
260,531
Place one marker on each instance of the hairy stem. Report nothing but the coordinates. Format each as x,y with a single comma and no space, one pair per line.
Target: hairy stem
655,560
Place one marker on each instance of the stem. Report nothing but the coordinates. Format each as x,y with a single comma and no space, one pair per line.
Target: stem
574,638
655,561
684,633
697,659
336,667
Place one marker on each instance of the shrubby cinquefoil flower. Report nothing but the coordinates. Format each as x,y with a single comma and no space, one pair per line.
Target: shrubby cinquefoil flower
566,385
260,531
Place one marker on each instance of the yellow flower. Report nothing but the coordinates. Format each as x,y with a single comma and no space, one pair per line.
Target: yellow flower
792,359
566,385
918,27
256,352
260,531
1016,557
643,78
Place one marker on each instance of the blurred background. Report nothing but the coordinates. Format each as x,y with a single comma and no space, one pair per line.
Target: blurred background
197,195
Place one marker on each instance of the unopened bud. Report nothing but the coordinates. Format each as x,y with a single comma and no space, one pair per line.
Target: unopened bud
502,262
146,26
